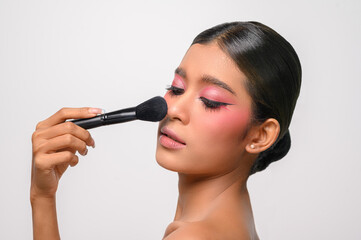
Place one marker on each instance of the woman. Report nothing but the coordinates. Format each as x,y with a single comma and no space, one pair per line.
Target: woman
229,108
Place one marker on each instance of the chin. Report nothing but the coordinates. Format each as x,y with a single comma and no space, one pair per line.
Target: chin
175,162
166,159
200,162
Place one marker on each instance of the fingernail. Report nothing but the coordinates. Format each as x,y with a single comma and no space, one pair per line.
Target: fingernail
84,153
95,110
93,144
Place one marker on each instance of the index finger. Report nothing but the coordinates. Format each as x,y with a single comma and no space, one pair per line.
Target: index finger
68,113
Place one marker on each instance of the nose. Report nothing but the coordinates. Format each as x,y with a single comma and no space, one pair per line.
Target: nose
178,108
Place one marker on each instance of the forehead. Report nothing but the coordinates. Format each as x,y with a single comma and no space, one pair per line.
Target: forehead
211,60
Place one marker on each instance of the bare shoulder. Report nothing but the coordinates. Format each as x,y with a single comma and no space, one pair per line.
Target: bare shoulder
207,230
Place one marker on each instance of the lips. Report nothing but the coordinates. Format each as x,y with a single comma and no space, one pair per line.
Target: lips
171,134
170,139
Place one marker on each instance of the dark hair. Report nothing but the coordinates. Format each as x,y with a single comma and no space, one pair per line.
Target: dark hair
273,73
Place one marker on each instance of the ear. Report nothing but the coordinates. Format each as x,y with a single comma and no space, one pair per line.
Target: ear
263,136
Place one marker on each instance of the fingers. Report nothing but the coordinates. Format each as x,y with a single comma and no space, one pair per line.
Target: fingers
66,141
55,143
68,113
58,141
62,129
48,161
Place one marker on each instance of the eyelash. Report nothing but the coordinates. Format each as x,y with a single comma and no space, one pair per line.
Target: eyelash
175,91
208,104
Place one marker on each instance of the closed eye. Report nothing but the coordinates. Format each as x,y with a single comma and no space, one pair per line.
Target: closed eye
208,104
175,90
212,105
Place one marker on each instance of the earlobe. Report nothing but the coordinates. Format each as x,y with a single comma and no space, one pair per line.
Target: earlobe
264,136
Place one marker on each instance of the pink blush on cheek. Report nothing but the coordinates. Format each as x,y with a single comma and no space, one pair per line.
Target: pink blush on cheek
228,122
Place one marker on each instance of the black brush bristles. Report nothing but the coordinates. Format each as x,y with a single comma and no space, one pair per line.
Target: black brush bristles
152,110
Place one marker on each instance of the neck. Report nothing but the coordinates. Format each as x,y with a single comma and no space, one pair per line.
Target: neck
198,195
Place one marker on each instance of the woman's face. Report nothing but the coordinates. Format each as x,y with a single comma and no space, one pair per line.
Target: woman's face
208,114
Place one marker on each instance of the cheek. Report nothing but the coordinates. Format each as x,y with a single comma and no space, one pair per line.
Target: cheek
217,139
225,126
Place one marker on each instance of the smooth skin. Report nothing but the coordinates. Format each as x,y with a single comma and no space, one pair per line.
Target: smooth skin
221,145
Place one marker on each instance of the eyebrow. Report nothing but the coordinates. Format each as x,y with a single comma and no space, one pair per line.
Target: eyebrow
207,79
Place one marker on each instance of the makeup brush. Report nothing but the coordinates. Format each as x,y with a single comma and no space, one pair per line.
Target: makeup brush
152,110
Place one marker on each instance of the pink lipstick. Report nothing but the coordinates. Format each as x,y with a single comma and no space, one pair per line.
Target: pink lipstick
169,139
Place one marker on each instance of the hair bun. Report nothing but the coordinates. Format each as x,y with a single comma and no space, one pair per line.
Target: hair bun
272,154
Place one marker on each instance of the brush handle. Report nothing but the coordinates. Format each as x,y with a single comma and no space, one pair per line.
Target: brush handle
124,115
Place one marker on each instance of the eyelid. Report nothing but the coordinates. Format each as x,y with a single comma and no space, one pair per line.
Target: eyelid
178,80
175,91
208,104
216,94
171,87
216,102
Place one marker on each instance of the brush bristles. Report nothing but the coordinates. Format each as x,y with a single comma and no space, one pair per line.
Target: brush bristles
152,110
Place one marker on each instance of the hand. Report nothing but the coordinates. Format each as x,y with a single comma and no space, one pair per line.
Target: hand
55,143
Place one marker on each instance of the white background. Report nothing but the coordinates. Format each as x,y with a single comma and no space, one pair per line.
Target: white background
115,54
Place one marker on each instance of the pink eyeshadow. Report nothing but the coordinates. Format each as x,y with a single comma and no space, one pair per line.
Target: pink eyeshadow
178,82
217,94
